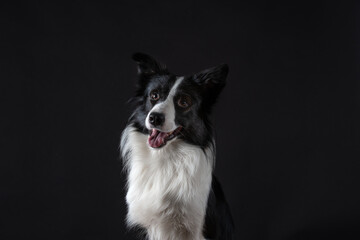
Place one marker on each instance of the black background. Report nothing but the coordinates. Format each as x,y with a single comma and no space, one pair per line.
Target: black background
287,123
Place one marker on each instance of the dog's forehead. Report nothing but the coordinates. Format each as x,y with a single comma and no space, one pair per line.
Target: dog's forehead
166,82
163,82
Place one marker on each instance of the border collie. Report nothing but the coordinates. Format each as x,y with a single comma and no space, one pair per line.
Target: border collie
168,151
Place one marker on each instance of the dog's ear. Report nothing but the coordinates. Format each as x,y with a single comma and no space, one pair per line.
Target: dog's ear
147,65
212,80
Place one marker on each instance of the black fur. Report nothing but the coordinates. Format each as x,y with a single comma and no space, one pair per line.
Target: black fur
218,222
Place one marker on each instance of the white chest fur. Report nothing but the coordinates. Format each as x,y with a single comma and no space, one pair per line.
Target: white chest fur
168,188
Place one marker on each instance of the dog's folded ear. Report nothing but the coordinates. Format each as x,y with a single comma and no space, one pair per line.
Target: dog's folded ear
147,65
212,80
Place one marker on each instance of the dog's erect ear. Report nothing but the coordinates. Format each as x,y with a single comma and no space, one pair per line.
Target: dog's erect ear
147,65
212,80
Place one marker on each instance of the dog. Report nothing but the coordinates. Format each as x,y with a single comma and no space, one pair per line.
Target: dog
168,150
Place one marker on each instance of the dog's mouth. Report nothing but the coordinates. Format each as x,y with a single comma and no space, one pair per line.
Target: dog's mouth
158,139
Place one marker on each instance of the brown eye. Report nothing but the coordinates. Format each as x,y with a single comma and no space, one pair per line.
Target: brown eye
154,95
184,102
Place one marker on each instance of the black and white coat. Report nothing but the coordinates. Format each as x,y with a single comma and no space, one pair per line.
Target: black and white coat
171,191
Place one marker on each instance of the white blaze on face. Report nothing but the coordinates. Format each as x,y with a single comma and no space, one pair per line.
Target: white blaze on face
167,108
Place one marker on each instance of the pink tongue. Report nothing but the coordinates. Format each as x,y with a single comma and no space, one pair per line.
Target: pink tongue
157,138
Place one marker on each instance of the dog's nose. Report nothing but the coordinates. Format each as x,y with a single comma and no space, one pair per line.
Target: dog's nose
156,119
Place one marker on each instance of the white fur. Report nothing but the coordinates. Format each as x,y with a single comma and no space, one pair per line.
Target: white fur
167,108
168,188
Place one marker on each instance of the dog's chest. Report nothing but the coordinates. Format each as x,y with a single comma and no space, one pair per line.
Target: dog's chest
156,180
149,187
163,180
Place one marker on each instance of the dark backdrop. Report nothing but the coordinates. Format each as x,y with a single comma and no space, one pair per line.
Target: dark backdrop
287,123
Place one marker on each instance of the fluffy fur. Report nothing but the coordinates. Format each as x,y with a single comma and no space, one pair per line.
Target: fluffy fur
171,191
167,188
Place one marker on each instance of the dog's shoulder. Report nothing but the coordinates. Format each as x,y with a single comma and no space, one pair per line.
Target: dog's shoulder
218,221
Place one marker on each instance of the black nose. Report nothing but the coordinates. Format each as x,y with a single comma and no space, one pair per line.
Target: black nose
156,119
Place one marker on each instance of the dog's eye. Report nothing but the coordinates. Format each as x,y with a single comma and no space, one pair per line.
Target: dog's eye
154,95
184,102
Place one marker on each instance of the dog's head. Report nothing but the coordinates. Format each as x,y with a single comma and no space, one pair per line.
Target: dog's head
171,106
